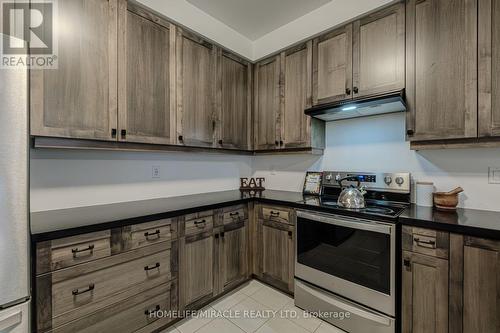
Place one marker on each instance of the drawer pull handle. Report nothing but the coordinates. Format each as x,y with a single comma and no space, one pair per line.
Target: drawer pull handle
150,312
200,224
90,249
222,234
425,243
77,292
234,214
274,213
149,268
150,234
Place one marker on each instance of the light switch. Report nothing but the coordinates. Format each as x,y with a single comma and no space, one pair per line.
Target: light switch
494,175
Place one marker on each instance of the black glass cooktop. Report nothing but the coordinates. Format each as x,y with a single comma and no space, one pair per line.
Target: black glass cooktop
373,207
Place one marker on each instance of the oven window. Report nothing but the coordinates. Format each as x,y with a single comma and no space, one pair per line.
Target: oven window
359,256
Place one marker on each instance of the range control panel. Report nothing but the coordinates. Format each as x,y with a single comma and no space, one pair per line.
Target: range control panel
399,182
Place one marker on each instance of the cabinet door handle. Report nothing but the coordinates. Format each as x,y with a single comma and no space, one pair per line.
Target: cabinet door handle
347,91
220,142
149,268
150,312
222,234
200,224
124,133
89,249
181,138
216,236
77,292
355,90
149,234
423,243
113,133
277,143
410,132
281,142
290,234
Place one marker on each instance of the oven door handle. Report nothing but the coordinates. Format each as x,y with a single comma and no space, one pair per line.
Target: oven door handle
366,314
353,223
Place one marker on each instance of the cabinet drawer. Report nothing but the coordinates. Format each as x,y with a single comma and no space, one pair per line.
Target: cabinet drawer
276,214
83,289
234,214
128,315
199,225
198,215
70,251
149,233
426,241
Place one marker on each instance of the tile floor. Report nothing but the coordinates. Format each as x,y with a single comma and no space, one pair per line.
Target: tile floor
260,300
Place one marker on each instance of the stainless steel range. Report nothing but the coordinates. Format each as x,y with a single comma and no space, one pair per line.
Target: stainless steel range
345,267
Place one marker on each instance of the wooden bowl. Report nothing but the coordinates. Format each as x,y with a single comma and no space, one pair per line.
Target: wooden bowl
447,200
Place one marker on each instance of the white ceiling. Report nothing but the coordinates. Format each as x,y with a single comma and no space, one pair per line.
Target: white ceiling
256,18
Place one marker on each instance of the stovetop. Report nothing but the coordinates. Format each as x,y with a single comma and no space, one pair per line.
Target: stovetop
373,207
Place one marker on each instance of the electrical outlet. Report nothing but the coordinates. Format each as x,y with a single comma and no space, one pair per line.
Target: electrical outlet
155,172
494,175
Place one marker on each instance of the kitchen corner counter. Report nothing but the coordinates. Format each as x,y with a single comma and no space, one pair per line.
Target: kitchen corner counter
72,221
473,222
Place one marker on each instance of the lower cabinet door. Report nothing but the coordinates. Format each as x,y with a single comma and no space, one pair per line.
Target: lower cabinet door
197,276
128,315
277,254
481,285
425,294
233,260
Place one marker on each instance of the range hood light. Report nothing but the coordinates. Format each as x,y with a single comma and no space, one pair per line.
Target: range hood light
353,107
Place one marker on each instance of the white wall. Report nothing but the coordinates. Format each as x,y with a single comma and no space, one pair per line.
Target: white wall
378,144
63,179
323,18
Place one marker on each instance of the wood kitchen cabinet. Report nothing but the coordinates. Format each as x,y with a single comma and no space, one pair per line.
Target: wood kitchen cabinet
146,76
332,66
441,66
282,86
379,52
489,68
275,241
267,82
233,250
196,90
235,105
79,99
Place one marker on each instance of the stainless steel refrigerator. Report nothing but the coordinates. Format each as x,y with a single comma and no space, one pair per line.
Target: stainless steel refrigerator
14,205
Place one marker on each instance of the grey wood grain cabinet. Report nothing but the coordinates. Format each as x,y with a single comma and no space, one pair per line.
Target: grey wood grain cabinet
275,241
332,66
146,77
79,99
196,90
379,52
296,90
441,67
489,68
267,82
234,102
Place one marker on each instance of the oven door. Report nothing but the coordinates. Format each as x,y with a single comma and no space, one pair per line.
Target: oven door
350,257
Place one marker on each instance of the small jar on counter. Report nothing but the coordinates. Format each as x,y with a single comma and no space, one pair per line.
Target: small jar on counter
424,194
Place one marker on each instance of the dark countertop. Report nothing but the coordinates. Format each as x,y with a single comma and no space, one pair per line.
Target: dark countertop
473,222
72,221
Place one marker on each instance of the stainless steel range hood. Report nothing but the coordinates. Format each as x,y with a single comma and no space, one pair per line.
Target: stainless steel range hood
359,107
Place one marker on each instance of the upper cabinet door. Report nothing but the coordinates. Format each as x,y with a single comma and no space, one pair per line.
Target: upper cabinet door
235,104
489,68
295,125
196,82
267,103
79,99
379,52
332,66
146,77
441,87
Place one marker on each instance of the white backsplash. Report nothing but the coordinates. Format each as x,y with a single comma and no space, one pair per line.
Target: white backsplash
378,144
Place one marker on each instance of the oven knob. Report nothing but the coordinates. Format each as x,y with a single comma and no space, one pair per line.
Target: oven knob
400,181
388,180
328,177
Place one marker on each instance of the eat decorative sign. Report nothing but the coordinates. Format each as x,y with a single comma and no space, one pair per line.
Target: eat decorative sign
252,184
